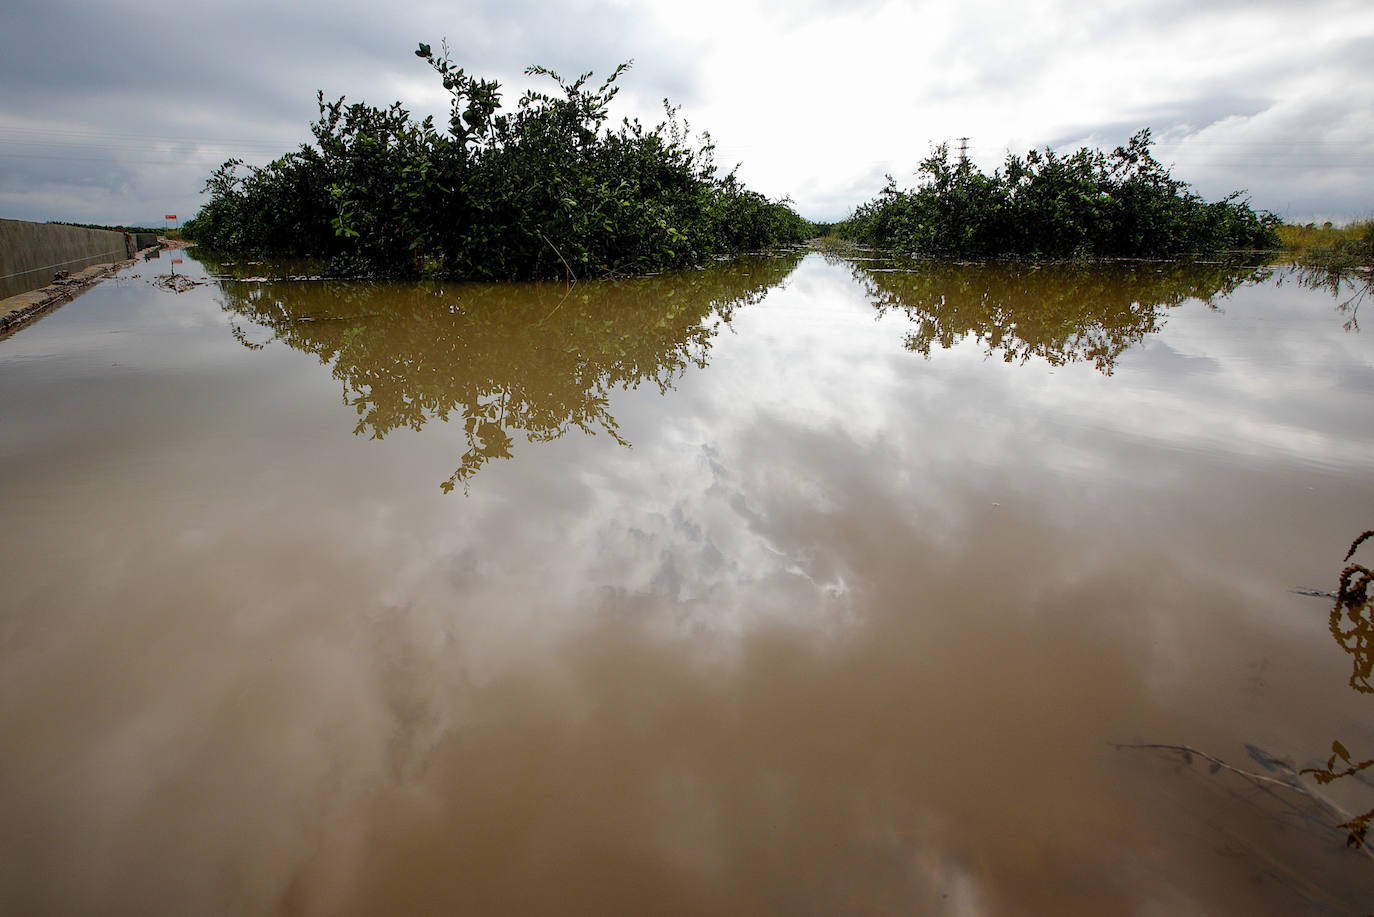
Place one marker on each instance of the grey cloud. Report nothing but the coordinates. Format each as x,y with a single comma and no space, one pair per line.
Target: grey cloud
800,12
1293,156
109,81
1186,117
242,79
1256,94
835,200
1159,358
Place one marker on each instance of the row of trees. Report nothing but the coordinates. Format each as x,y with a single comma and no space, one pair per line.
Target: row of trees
545,190
1122,204
549,189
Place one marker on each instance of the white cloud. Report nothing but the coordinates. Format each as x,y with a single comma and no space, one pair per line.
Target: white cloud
817,102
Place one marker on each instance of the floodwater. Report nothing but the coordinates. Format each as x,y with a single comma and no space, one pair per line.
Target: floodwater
805,584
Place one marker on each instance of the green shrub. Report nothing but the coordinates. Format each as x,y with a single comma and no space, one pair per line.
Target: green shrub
1330,248
545,190
1050,206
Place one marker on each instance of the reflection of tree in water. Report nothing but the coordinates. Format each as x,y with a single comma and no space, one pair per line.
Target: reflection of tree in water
1352,624
533,358
1349,286
1060,312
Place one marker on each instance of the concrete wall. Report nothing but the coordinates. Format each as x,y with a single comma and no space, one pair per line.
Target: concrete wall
31,253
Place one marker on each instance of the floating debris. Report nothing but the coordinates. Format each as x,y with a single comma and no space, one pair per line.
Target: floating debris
177,283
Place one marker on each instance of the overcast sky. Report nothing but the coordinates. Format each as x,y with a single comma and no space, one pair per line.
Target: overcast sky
116,112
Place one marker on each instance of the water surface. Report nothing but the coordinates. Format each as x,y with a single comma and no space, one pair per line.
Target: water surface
812,583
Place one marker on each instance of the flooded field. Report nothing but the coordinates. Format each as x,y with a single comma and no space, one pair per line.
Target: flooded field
805,584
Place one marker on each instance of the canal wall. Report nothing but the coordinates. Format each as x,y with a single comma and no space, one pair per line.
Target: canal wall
31,254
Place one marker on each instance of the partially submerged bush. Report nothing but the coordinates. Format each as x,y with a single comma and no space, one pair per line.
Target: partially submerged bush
1049,206
542,191
1330,248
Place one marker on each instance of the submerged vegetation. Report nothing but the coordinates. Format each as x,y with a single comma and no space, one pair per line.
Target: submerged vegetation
1337,260
546,190
1087,204
1331,248
1328,244
1352,625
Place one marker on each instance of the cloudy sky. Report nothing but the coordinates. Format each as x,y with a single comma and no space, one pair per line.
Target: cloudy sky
111,112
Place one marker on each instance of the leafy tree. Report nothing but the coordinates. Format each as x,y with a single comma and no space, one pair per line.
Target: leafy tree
544,190
1044,205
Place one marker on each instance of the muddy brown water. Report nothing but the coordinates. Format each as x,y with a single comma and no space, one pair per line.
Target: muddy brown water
802,584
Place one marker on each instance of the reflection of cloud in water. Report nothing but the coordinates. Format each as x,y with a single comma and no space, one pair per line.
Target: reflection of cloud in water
504,359
846,630
1162,359
942,753
1235,401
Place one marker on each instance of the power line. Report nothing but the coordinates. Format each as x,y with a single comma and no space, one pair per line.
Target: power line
174,160
57,148
98,134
